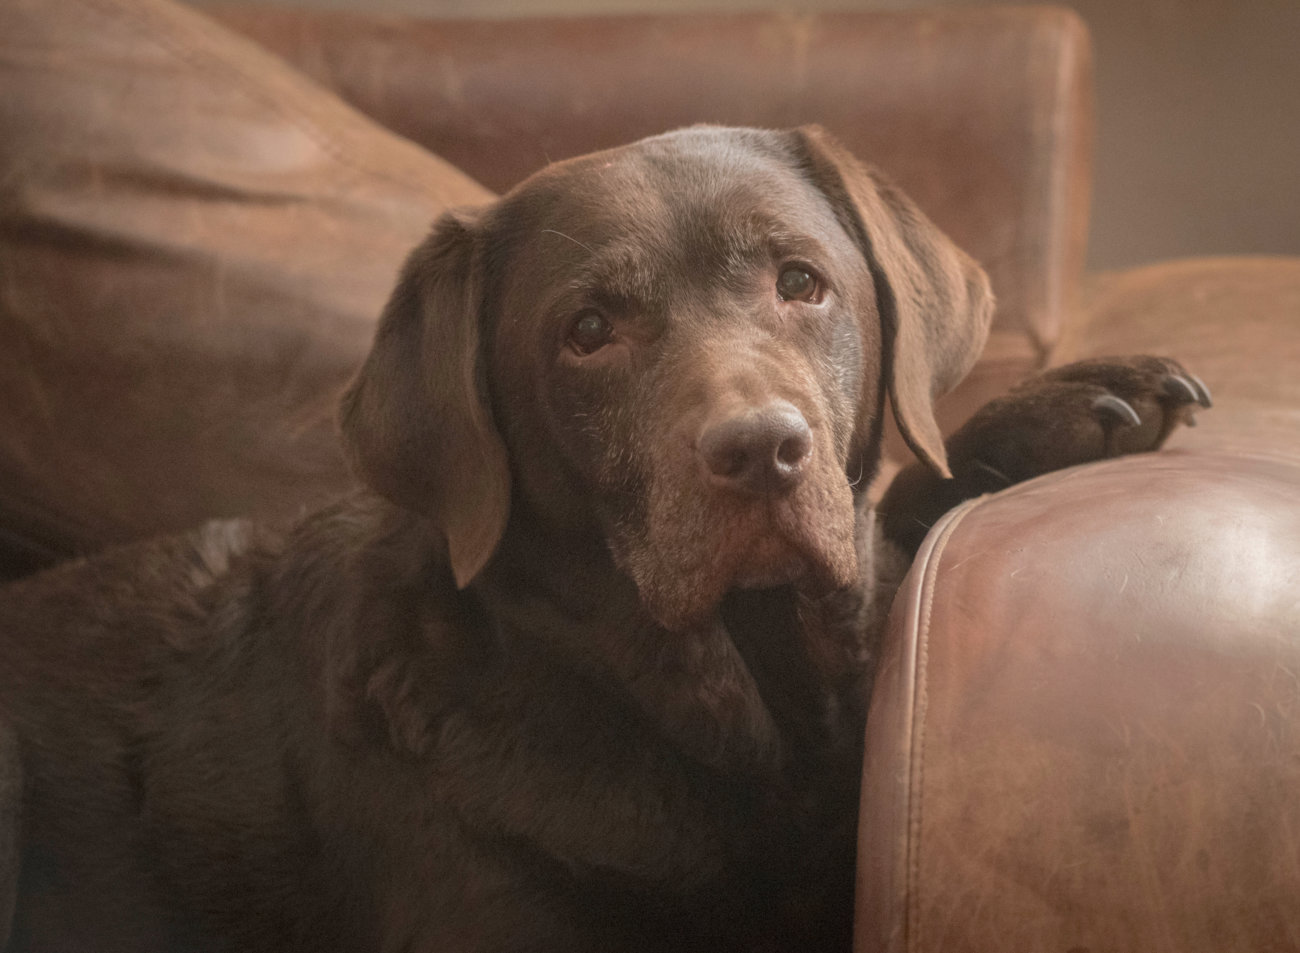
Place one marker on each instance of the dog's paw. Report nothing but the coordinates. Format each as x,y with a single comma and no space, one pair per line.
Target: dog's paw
1075,414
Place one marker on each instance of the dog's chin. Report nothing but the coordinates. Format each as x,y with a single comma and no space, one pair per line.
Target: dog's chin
684,588
787,572
770,559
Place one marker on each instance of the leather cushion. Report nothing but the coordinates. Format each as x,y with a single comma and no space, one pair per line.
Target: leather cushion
195,242
1232,320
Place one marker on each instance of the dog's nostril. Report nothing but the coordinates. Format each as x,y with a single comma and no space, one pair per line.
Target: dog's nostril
729,463
761,450
795,448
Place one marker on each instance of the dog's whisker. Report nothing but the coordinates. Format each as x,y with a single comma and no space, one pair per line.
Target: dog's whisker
862,469
554,231
994,471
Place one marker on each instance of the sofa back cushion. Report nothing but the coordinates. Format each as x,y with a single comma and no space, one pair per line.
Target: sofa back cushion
196,241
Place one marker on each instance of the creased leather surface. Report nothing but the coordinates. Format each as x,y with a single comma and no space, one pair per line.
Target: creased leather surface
1235,321
1105,709
195,242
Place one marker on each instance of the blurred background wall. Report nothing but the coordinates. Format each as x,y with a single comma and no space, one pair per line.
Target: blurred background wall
1198,112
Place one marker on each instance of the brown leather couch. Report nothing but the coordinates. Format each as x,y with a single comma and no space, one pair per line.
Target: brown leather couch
1086,734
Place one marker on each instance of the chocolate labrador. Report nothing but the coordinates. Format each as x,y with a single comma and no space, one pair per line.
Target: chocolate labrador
587,668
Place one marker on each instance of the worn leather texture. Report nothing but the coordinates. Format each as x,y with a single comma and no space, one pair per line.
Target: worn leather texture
195,243
1086,729
1234,321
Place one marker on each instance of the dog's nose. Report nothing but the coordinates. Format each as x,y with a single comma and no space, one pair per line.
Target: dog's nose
761,450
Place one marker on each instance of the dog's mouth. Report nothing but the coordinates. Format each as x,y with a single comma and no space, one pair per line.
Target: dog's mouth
768,574
684,566
777,550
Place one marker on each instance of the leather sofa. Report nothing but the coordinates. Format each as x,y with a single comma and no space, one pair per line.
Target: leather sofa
1086,730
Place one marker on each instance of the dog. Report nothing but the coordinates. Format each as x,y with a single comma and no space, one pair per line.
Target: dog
586,665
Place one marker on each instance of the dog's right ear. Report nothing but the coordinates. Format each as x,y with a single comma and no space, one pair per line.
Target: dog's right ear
416,421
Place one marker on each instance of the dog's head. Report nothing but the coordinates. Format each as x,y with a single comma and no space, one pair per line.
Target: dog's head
682,346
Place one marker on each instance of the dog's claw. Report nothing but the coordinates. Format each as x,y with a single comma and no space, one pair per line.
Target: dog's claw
1117,408
1187,388
1181,389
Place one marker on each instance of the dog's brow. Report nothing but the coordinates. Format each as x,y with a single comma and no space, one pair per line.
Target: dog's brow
619,271
613,271
764,233
775,243
785,244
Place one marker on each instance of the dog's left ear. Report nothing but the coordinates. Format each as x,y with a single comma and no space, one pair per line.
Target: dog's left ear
416,421
935,303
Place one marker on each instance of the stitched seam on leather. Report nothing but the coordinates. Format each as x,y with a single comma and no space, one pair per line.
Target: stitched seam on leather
204,61
917,747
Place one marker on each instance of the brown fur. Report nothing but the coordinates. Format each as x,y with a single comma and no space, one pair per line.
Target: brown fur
564,684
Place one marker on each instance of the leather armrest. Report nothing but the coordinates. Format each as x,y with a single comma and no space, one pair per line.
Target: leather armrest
1086,729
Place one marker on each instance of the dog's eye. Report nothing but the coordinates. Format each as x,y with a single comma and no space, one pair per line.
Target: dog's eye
590,332
796,283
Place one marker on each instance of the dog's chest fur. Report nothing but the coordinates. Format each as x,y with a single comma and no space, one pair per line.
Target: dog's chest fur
480,769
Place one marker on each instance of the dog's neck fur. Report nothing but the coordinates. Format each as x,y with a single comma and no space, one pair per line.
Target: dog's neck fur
693,686
774,683
744,691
